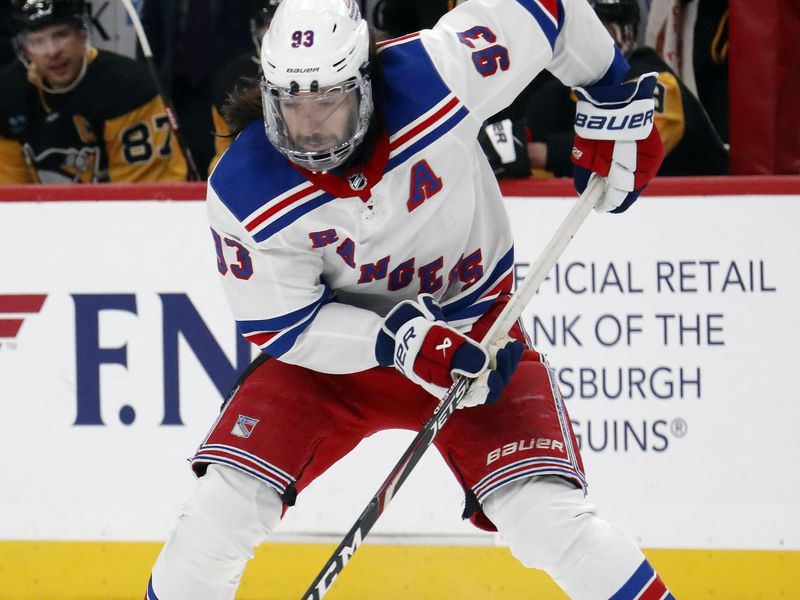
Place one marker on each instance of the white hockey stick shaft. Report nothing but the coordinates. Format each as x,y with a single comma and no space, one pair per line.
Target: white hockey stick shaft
137,26
508,316
547,260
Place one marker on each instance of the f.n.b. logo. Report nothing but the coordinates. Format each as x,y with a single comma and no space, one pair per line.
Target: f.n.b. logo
13,310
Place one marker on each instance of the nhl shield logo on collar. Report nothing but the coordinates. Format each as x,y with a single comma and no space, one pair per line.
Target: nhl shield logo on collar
357,181
244,426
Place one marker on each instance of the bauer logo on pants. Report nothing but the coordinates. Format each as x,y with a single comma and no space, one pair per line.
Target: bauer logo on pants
244,426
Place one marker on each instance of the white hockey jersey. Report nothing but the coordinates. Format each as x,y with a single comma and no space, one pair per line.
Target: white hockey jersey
311,264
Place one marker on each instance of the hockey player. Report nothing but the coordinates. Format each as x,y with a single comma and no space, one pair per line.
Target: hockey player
691,143
363,245
235,74
70,113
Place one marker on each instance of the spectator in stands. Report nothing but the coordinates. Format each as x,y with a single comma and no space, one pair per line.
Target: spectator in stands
191,41
543,140
70,113
242,71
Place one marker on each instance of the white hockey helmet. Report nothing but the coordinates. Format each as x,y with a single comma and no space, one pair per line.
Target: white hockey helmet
316,91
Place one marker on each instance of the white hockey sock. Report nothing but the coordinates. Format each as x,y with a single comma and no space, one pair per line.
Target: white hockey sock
226,517
550,526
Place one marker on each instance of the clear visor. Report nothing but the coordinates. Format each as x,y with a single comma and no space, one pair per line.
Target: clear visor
317,130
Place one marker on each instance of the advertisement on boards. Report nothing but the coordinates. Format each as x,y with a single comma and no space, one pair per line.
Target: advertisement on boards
670,330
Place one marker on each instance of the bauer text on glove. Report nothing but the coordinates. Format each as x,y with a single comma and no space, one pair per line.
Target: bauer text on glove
615,138
505,144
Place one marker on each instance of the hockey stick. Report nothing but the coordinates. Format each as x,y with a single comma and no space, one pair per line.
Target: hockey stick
510,313
194,174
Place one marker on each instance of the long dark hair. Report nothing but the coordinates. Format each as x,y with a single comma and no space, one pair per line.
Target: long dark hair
243,106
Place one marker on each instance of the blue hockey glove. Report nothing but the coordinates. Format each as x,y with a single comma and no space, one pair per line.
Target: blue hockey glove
615,138
504,356
416,339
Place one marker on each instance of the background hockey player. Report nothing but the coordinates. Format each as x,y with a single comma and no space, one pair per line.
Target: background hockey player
363,245
70,113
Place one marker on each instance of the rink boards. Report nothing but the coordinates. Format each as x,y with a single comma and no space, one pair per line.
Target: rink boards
672,330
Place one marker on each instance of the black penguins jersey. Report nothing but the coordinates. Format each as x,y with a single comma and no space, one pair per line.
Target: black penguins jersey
111,127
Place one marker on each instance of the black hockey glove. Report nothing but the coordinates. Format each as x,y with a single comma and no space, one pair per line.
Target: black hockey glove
505,144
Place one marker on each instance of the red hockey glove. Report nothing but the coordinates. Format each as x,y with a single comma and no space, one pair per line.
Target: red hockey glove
615,138
416,339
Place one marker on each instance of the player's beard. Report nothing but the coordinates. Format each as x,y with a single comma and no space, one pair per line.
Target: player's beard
316,142
323,142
